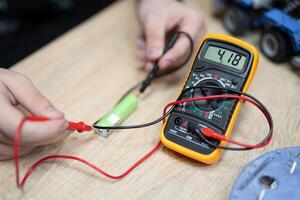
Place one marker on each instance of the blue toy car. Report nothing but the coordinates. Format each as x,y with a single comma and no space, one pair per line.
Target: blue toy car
279,21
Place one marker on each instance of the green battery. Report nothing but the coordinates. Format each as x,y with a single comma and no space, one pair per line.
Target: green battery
120,112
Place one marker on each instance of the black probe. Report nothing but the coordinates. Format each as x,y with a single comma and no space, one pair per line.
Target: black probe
152,74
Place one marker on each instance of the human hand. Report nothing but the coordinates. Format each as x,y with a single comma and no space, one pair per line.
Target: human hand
160,17
16,90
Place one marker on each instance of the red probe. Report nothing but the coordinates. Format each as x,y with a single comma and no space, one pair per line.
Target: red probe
79,127
75,126
210,133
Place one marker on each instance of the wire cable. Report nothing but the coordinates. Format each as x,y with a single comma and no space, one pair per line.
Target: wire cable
166,112
259,105
249,98
169,45
136,126
254,101
21,183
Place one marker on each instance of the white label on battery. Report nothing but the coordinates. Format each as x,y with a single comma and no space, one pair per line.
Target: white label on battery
113,119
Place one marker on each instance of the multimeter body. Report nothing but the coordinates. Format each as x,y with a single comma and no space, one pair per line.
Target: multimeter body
220,61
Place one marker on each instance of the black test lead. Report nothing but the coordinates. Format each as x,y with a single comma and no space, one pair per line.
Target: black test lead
129,101
152,74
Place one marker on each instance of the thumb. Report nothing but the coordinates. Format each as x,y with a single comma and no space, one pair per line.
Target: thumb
155,38
33,133
30,98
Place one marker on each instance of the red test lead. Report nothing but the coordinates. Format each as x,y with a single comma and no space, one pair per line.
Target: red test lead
210,133
80,127
36,118
75,126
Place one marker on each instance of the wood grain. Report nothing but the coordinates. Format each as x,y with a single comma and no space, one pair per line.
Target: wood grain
85,71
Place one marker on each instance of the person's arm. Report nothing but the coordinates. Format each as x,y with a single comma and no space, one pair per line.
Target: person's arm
160,17
16,90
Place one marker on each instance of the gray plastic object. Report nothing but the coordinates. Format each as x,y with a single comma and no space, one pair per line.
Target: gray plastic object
296,61
272,176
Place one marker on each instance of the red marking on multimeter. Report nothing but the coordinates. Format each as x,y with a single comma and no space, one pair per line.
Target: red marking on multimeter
185,124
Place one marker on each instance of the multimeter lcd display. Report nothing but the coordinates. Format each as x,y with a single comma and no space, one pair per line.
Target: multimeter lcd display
225,57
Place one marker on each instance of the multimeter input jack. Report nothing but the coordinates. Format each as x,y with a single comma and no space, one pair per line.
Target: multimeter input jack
178,121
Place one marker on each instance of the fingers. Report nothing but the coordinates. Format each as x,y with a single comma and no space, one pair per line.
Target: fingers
191,23
140,44
177,55
141,53
41,133
155,30
28,96
141,49
194,26
34,133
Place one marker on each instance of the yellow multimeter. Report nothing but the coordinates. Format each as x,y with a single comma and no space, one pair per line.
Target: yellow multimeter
221,61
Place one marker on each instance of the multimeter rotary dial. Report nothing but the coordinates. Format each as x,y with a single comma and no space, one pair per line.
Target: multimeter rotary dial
207,105
214,111
205,79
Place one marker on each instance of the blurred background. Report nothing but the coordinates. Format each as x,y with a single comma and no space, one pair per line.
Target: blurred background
27,25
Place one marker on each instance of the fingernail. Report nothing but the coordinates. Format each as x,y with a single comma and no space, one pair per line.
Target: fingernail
141,56
52,112
165,63
154,53
140,44
149,66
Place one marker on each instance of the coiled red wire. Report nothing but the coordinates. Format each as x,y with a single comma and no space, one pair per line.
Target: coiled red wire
18,134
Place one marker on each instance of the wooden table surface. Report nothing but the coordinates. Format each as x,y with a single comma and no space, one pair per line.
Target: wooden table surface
85,71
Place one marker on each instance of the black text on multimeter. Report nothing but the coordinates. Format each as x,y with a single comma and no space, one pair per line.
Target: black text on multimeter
220,61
